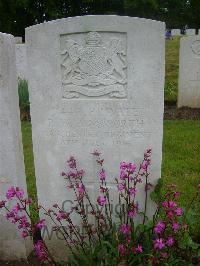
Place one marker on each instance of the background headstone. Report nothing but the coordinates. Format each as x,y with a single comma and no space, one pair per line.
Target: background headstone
114,107
20,50
12,246
176,32
190,31
189,72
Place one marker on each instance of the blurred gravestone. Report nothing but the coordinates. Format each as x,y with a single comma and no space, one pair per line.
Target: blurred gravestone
95,82
189,72
12,245
20,50
176,32
190,31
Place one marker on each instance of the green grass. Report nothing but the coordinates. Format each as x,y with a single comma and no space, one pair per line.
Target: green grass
181,164
29,165
172,67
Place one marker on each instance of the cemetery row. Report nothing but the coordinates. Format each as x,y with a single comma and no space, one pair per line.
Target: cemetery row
179,32
87,91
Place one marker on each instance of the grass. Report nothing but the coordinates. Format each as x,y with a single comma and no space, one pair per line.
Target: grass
172,67
181,148
29,166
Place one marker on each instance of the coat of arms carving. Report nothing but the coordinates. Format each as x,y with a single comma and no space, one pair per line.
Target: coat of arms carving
95,68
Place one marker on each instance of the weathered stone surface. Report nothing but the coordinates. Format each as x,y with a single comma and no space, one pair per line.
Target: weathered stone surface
20,50
12,246
18,40
95,82
189,72
176,32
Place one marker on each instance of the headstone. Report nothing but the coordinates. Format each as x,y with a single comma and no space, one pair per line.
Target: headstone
95,82
12,246
18,40
190,31
21,61
189,72
176,32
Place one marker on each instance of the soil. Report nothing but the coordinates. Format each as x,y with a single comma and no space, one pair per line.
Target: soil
31,261
183,113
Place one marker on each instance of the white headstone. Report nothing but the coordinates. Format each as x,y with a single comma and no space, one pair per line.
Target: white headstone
190,31
95,82
12,246
189,72
176,32
20,50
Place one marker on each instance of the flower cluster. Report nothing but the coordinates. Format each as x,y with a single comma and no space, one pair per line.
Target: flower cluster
152,243
41,251
170,229
127,247
19,215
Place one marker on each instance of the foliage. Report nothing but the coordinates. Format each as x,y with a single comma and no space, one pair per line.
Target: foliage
15,16
102,241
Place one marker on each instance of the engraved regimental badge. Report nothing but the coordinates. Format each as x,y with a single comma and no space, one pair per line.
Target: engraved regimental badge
95,69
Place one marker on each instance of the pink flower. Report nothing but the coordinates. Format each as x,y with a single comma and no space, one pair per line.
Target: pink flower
123,166
131,214
138,249
179,211
24,234
61,216
175,226
40,224
165,204
170,241
101,200
102,175
72,162
2,204
123,175
10,193
125,229
16,209
10,216
23,223
145,165
122,250
121,187
132,192
81,188
41,251
170,214
131,167
159,228
177,194
29,201
19,193
159,243
172,204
